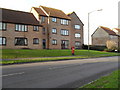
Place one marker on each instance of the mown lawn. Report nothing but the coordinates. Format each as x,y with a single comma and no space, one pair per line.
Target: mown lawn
110,81
21,53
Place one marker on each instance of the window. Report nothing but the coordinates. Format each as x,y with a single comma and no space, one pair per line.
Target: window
2,40
3,26
77,26
36,28
54,30
64,32
35,41
77,35
54,19
19,27
54,42
21,41
43,30
42,19
77,44
64,22
64,44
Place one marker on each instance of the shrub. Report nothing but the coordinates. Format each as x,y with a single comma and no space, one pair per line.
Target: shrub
94,47
97,47
111,45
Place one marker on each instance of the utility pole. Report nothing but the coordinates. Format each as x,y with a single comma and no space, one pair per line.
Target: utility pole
89,26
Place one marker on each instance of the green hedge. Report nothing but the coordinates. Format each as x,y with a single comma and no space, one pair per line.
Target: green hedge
95,47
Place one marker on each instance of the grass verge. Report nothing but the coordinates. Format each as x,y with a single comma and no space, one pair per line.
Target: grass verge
21,53
110,81
51,54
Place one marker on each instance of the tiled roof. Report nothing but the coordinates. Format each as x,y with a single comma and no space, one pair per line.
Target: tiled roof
117,29
39,11
55,12
108,30
13,16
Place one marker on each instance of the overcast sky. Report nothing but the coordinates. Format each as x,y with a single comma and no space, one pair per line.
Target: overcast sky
108,17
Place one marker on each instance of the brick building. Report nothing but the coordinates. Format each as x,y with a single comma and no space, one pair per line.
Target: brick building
76,30
104,34
41,28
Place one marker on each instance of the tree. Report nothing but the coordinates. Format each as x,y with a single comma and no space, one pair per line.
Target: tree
111,45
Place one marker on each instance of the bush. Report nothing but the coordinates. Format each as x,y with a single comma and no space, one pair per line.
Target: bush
111,45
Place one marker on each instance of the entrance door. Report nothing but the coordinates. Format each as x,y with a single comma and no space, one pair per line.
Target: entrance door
64,44
44,44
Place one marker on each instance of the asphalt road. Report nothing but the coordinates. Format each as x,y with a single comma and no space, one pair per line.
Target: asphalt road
57,74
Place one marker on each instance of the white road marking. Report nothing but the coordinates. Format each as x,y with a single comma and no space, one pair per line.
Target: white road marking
12,74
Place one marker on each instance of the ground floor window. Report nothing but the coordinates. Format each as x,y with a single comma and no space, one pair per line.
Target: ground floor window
21,41
2,40
54,42
65,44
35,41
77,44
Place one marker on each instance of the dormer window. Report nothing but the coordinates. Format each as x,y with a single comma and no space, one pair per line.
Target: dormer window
42,19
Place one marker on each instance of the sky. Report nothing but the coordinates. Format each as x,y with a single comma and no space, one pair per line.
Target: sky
108,17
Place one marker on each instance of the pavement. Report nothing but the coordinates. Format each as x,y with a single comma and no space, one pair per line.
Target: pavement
57,74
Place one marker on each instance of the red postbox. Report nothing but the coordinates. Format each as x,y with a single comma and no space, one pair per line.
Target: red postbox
73,51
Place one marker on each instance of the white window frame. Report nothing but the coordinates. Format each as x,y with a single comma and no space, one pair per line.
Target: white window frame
2,40
54,30
77,35
35,28
21,27
42,19
77,44
54,42
64,32
54,19
17,41
77,26
35,40
3,26
64,22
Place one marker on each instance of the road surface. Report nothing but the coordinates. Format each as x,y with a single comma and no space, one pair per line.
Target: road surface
57,74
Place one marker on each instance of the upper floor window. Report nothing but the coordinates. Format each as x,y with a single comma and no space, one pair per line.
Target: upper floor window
43,30
77,35
42,19
19,27
64,22
36,28
54,42
54,19
64,32
35,41
77,26
54,30
21,41
3,26
2,40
